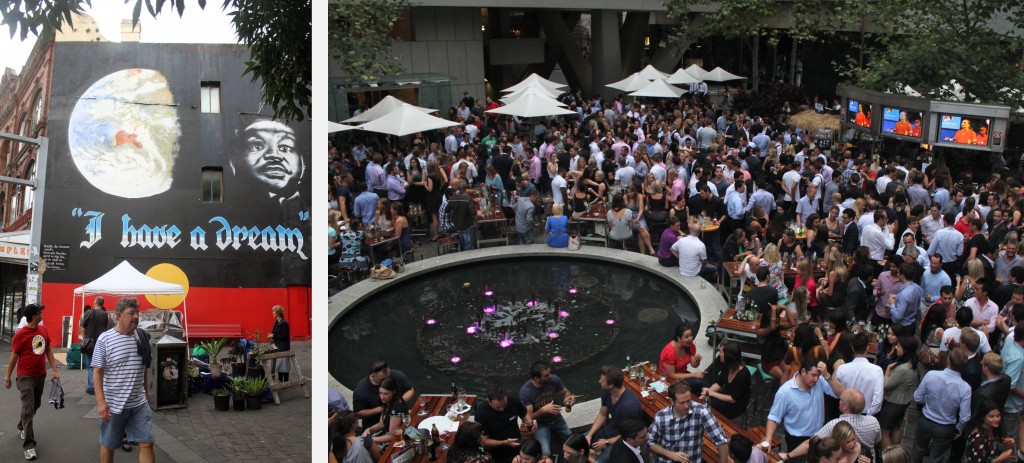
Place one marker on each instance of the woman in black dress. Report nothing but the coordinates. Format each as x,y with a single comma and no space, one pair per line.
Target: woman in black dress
436,183
730,393
281,336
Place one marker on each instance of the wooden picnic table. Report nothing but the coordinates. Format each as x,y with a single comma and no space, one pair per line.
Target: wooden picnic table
437,405
379,239
656,401
741,330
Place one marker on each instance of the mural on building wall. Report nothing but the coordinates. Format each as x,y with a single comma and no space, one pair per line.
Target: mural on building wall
124,133
129,177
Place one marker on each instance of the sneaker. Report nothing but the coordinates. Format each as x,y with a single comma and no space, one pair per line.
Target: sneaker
90,391
30,454
126,446
21,434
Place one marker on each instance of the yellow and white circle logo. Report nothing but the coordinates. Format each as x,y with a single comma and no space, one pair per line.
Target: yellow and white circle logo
38,345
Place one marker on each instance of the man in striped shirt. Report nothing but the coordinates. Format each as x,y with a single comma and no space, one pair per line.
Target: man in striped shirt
120,376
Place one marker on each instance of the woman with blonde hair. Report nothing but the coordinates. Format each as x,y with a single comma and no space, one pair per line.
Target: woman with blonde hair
805,279
964,286
849,446
832,288
798,302
557,228
776,274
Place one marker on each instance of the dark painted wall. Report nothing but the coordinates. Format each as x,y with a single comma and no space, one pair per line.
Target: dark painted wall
205,140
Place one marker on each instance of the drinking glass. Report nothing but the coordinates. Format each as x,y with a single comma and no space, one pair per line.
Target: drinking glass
444,439
406,420
423,406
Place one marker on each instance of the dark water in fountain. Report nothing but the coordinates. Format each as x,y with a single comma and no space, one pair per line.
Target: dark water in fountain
441,327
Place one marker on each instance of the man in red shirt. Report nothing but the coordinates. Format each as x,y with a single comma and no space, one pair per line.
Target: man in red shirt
30,349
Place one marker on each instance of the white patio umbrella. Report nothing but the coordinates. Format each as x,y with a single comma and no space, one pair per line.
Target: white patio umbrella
385,106
630,84
650,73
540,91
535,79
696,71
406,119
681,77
721,75
659,89
333,127
531,106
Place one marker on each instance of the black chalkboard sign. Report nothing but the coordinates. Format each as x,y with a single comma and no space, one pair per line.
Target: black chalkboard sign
56,256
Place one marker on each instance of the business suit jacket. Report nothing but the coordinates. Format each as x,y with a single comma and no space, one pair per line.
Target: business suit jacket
856,304
851,239
622,454
997,391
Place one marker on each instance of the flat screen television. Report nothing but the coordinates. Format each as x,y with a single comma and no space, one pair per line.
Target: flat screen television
904,122
859,113
964,130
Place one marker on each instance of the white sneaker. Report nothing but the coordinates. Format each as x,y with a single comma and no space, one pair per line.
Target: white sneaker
21,434
30,454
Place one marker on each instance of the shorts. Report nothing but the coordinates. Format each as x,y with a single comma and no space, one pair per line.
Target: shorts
136,423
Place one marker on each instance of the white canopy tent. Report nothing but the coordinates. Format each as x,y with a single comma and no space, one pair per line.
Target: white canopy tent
538,80
659,89
532,106
721,75
650,73
406,119
539,91
382,108
696,71
333,127
630,84
125,280
681,77
533,88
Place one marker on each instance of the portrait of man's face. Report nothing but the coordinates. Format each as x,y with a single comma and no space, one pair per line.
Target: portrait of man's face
269,156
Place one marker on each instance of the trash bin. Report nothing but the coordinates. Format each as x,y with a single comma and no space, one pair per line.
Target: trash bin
74,357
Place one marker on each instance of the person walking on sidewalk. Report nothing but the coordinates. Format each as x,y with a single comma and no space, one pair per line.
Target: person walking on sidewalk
30,350
120,375
93,323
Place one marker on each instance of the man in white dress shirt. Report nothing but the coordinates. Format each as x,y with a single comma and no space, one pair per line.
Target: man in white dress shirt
878,238
862,375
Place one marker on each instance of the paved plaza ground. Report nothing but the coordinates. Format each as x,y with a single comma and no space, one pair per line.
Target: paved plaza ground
198,433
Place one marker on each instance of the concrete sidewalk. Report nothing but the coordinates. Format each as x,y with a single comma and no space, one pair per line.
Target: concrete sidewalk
277,433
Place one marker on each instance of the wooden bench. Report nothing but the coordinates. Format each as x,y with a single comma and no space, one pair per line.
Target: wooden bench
212,330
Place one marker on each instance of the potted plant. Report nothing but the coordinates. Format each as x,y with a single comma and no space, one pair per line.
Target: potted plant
237,393
255,367
195,382
254,392
221,399
213,347
236,351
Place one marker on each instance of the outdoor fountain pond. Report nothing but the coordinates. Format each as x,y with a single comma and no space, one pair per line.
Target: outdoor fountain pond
486,322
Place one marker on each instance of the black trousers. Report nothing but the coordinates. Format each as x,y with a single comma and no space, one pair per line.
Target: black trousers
793,442
932,441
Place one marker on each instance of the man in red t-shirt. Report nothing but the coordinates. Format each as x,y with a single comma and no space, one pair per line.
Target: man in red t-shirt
30,349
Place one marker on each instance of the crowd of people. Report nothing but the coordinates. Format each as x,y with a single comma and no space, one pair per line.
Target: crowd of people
891,241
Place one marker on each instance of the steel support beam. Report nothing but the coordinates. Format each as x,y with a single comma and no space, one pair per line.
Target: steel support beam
631,38
561,42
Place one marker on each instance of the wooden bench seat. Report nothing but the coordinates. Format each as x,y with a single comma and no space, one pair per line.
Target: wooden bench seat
214,330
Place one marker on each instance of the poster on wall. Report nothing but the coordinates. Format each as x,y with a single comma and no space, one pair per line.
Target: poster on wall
141,170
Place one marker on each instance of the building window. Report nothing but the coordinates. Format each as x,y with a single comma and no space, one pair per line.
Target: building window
213,185
37,108
15,194
210,94
23,131
29,192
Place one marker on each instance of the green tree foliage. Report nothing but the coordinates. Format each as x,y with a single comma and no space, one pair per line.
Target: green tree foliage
927,43
360,37
278,33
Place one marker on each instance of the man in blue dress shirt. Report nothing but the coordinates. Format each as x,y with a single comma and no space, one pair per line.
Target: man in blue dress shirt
800,405
947,408
948,243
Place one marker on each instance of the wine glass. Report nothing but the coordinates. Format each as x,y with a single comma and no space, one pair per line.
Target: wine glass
406,420
444,439
423,406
